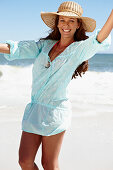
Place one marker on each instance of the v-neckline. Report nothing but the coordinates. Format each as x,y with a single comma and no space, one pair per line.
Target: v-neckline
53,44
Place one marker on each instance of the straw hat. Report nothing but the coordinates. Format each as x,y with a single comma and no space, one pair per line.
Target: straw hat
71,9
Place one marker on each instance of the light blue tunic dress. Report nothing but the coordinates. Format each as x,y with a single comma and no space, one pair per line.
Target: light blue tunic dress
49,111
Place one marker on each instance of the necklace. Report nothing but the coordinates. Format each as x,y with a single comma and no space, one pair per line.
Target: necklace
59,51
48,64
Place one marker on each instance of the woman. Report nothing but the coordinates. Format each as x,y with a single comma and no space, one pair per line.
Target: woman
59,57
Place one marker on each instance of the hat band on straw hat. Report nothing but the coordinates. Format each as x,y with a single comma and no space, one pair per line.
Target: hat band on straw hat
67,10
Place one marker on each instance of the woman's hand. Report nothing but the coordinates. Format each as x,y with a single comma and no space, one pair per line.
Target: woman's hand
5,48
106,29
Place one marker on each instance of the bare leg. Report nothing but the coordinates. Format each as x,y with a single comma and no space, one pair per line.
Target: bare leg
35,167
51,146
28,148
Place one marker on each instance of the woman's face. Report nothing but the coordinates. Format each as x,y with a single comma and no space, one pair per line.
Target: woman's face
67,26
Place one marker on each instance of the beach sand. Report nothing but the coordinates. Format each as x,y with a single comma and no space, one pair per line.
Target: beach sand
87,145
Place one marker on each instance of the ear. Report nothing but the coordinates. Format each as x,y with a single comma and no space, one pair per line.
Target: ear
79,23
58,25
78,26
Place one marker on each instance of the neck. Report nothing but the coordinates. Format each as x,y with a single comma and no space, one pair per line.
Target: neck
65,42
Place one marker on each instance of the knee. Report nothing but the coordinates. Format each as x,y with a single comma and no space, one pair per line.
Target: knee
50,164
25,163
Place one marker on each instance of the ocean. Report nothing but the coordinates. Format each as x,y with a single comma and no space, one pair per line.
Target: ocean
90,95
98,63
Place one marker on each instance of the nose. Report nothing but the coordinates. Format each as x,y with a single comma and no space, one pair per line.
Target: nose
66,23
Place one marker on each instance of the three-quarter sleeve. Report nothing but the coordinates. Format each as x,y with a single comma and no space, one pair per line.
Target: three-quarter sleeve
91,46
24,49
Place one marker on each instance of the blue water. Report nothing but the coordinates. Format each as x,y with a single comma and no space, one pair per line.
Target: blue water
101,63
98,63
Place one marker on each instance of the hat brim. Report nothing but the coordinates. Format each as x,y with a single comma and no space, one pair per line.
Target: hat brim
89,24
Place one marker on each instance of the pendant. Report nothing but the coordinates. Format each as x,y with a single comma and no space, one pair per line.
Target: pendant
47,65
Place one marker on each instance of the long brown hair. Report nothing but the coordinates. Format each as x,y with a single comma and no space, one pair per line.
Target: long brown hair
79,35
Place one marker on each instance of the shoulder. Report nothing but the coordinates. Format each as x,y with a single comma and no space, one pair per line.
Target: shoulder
74,46
46,42
50,42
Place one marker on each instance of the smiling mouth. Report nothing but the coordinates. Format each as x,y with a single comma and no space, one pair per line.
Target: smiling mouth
66,30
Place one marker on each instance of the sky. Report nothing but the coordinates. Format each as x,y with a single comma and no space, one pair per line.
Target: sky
20,20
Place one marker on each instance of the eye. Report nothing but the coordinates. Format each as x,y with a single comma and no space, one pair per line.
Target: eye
61,20
71,20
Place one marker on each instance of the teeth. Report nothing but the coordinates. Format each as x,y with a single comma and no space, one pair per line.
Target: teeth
66,30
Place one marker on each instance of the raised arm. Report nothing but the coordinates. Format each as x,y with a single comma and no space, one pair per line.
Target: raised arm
5,48
106,29
21,49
